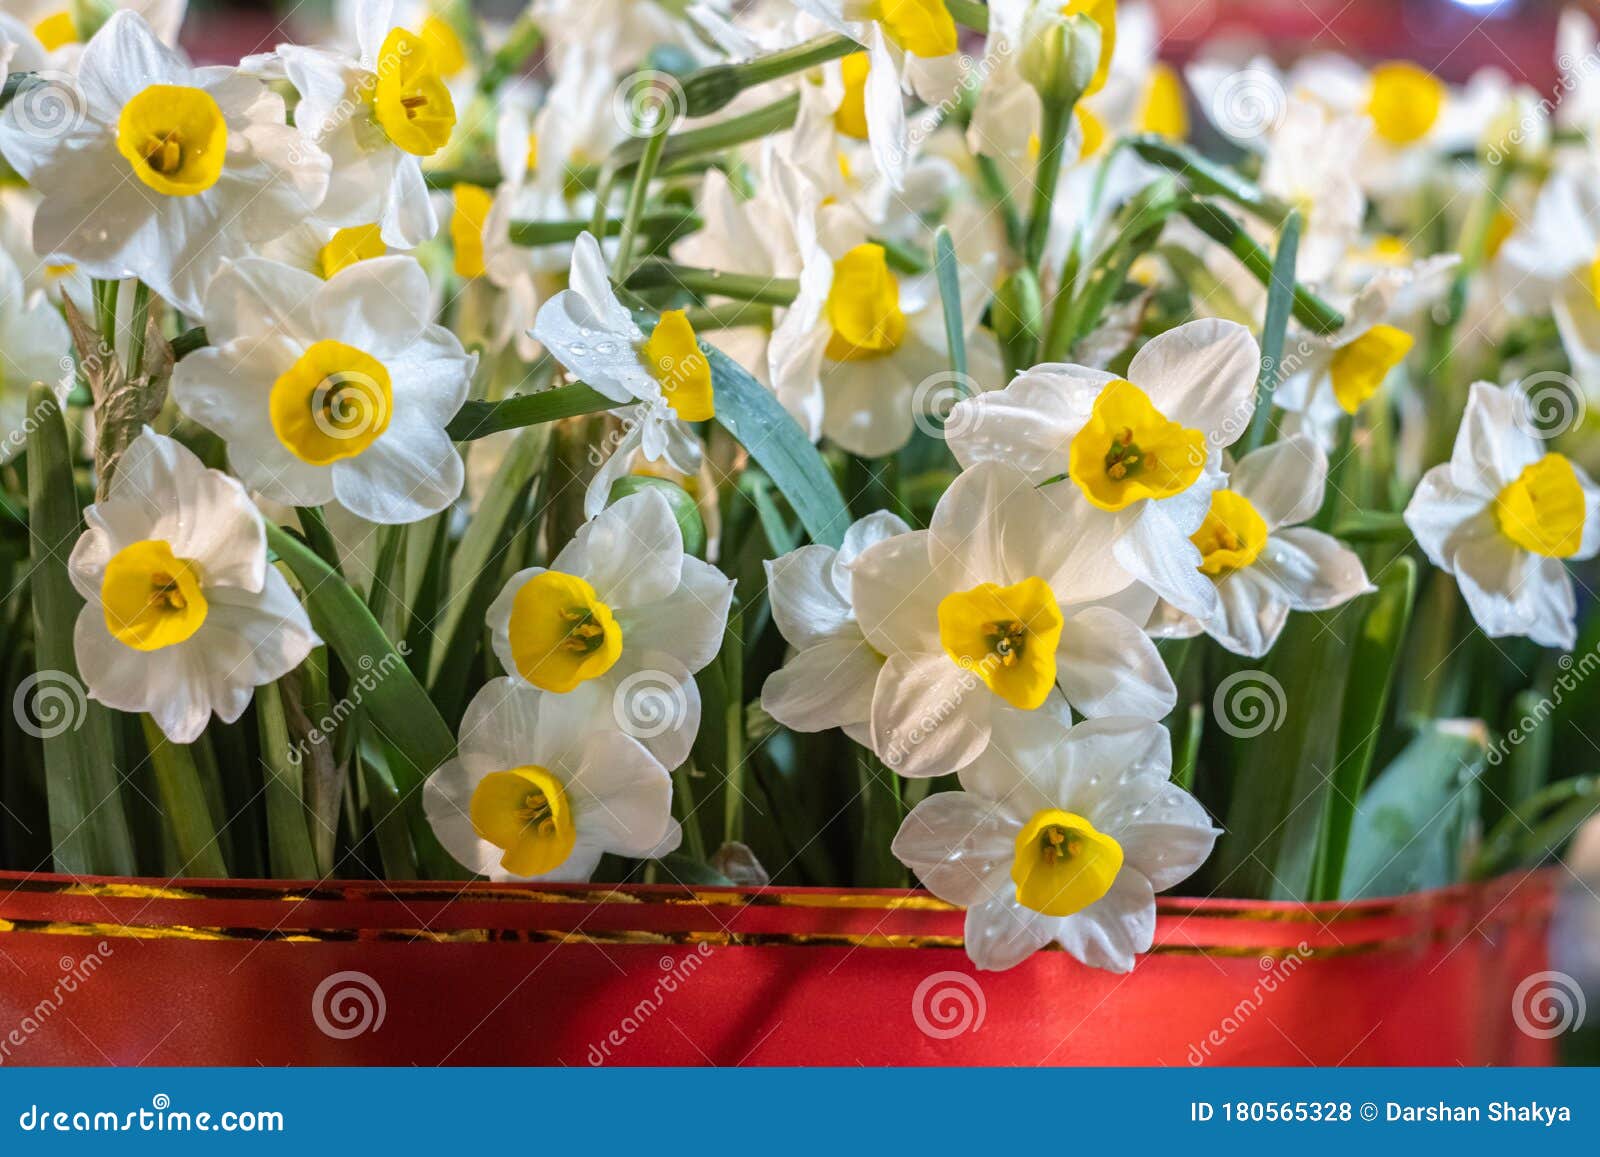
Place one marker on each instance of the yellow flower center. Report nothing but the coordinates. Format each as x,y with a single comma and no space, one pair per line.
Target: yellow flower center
863,306
1543,510
850,118
1007,636
1358,369
466,228
151,598
1129,450
348,246
532,157
1163,111
1062,864
1405,102
1501,226
921,27
674,359
332,403
1103,13
525,813
1387,249
57,31
410,100
449,54
561,633
1594,279
1232,535
175,138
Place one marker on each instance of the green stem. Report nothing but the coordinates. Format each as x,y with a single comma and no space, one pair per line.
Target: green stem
638,193
713,138
532,233
1309,309
140,322
288,837
105,310
655,274
730,315
1052,135
315,528
1208,178
520,44
183,800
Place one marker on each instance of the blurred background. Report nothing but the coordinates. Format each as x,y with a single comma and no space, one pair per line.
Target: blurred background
1449,37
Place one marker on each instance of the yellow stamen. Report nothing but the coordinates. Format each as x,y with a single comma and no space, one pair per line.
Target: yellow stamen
524,812
410,100
332,403
174,137
1232,536
1129,450
1007,636
1062,864
561,633
151,599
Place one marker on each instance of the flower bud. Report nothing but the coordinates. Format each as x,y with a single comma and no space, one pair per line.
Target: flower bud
1017,316
1060,55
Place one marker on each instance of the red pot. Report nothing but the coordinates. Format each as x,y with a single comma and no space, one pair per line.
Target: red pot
147,972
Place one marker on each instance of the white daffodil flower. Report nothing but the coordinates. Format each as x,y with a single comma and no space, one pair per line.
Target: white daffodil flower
618,624
1329,378
1312,163
182,617
376,114
910,47
1264,564
1554,261
1502,516
1061,836
323,250
34,347
538,792
170,171
1145,451
594,337
868,337
830,675
331,391
626,29
998,609
56,27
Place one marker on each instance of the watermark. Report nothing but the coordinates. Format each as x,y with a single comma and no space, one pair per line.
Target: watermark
649,703
1276,971
363,681
49,104
1573,673
1547,1004
347,1004
1549,404
973,675
648,102
948,1004
675,972
159,1117
49,703
1249,703
74,974
936,404
1248,104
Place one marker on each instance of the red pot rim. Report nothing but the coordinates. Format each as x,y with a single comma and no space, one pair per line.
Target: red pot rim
297,911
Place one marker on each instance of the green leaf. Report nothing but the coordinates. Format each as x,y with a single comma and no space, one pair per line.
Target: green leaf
752,414
392,700
184,806
944,263
1537,829
1284,717
1280,304
1412,826
288,837
88,827
1373,659
477,419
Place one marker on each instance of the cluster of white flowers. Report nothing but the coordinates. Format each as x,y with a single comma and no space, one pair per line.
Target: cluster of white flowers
974,249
